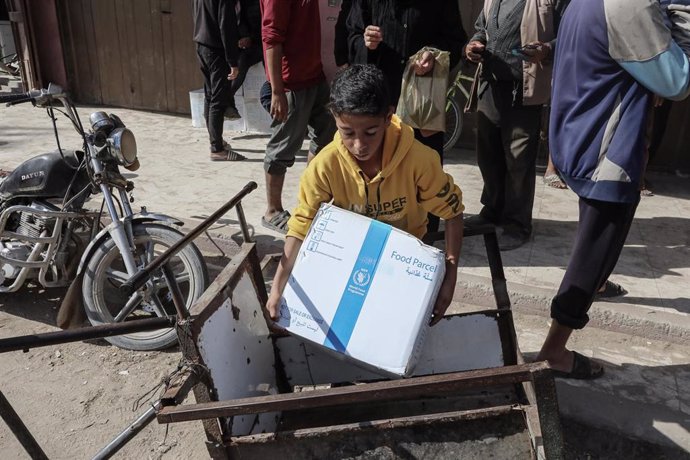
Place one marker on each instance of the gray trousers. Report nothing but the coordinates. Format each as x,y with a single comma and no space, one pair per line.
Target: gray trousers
307,113
507,143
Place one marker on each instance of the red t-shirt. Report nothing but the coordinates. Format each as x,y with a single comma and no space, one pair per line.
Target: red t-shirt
296,25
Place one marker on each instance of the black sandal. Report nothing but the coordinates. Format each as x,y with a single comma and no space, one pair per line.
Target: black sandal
583,369
611,289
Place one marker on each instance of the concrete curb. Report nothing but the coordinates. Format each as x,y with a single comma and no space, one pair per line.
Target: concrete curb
611,316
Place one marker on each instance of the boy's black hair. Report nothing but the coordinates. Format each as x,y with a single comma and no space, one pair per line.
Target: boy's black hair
360,89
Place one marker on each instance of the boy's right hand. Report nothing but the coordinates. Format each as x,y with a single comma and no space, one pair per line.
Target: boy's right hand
474,51
372,37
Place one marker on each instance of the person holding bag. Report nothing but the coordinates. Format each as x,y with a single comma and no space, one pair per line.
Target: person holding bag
387,33
513,43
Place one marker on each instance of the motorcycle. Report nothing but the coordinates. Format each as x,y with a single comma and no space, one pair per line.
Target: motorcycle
48,236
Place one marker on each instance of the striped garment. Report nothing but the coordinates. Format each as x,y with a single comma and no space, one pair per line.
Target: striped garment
612,56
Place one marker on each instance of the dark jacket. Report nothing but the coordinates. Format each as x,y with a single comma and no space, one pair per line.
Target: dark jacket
407,26
250,20
340,47
215,26
603,89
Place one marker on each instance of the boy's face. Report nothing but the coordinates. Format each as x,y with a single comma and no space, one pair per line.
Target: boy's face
363,135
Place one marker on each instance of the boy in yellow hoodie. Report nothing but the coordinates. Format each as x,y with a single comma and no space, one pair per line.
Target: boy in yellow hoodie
374,167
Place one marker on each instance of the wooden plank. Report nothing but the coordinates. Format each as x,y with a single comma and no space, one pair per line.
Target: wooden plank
20,16
79,70
378,391
168,55
132,55
145,63
149,49
72,30
124,40
67,33
187,73
89,70
109,57
158,82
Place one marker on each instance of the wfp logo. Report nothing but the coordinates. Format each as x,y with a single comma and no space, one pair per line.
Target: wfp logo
361,277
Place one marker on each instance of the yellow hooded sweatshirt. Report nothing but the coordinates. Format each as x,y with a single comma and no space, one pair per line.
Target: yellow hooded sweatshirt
411,183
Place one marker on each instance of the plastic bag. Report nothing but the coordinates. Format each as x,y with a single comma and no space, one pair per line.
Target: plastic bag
422,100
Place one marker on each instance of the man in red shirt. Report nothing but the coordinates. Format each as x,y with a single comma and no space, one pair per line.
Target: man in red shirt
291,35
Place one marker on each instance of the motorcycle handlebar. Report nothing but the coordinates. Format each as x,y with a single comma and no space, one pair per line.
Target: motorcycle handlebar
13,98
37,96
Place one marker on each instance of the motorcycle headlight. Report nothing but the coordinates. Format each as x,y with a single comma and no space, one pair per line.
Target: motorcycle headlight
123,146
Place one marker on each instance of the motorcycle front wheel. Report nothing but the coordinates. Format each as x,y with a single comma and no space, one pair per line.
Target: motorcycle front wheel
106,272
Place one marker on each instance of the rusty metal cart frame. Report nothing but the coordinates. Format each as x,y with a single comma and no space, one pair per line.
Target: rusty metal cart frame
535,388
25,343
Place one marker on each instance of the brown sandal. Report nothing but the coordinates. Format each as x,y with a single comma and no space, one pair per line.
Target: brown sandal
227,155
278,222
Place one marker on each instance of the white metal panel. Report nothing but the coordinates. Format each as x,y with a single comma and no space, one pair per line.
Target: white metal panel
457,343
461,343
235,346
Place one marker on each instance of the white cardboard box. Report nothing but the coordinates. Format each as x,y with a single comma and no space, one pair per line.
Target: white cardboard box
363,289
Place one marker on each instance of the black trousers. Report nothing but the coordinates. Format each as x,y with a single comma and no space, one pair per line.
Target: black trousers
507,143
601,232
248,57
216,91
658,127
435,141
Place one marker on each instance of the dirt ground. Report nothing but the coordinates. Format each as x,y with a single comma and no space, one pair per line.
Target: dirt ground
76,397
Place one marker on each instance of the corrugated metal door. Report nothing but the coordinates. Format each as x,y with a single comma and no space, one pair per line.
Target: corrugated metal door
131,53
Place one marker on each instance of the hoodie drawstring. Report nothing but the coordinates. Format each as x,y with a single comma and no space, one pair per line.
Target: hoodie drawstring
366,195
378,199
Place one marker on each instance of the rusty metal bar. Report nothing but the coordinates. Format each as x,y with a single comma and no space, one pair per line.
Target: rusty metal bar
243,223
493,254
377,391
179,389
132,430
177,297
139,279
20,430
498,278
384,424
26,342
549,420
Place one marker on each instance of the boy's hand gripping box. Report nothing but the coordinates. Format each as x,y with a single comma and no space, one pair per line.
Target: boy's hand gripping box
363,289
